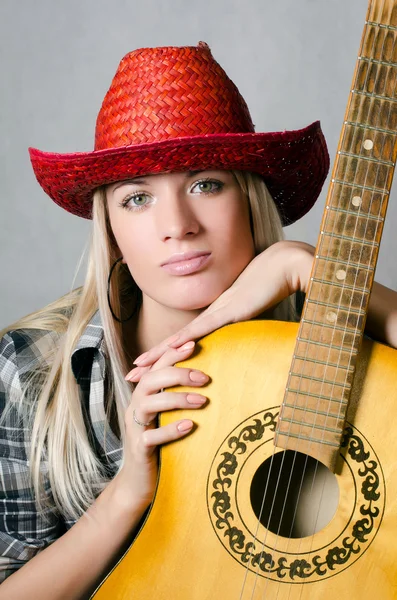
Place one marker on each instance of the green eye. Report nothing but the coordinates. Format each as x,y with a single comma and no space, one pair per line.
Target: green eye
208,186
205,186
139,199
135,201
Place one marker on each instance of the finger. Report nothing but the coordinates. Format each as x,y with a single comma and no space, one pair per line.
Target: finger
170,357
168,433
199,327
153,382
152,405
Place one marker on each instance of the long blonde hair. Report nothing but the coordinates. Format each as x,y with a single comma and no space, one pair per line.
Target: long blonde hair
59,437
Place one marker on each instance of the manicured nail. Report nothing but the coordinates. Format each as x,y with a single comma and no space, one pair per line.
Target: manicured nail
187,346
195,399
184,426
132,375
198,376
140,358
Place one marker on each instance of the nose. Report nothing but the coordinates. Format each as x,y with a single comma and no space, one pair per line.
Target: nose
175,218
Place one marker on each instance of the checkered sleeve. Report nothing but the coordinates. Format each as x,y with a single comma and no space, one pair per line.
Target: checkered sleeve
24,530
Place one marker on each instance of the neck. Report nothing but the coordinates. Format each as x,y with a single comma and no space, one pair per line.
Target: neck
154,323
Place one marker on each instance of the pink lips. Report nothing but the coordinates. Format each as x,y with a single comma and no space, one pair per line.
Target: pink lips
186,263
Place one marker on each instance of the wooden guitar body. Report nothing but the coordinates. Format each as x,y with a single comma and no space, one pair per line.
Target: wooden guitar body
195,544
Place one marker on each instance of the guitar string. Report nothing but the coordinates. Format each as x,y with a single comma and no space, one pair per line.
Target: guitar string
305,467
311,327
264,497
331,203
372,250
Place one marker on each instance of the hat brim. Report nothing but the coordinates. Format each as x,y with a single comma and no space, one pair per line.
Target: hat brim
294,165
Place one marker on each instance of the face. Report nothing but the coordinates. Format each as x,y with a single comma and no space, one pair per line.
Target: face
184,236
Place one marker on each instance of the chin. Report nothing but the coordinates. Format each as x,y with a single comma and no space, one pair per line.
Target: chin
192,300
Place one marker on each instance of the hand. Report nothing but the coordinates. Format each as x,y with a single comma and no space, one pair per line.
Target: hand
138,475
276,273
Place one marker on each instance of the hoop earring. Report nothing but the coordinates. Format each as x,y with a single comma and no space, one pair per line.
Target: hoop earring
108,294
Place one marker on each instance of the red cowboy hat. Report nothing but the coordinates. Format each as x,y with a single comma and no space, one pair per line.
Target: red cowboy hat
175,109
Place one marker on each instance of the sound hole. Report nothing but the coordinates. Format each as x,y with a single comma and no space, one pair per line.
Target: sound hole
301,494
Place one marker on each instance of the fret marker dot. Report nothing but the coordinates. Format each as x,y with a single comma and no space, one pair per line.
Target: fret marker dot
368,144
356,201
331,316
340,274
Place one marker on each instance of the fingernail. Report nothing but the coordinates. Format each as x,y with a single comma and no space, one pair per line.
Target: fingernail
132,375
195,399
187,346
140,358
198,376
184,426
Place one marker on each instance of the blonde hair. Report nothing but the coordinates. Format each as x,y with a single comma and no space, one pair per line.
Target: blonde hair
51,397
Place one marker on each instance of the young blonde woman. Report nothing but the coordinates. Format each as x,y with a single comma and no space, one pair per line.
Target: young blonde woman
186,238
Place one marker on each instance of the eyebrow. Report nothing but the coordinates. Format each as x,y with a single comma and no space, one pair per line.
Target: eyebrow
143,181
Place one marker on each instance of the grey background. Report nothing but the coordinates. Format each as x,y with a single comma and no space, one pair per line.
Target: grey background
292,60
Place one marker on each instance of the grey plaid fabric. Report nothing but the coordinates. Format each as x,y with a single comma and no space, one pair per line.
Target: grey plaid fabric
24,531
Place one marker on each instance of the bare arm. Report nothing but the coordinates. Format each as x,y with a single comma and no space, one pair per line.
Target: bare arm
285,268
382,315
72,566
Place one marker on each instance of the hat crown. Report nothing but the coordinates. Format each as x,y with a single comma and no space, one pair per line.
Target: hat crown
169,92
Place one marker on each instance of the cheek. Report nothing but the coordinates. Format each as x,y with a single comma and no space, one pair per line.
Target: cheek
237,238
133,242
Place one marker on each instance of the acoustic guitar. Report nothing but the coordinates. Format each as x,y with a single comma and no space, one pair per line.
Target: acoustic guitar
287,489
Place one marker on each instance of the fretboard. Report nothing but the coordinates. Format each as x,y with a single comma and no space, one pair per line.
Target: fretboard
314,408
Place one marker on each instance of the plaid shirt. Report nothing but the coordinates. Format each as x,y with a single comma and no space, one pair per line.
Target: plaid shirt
24,530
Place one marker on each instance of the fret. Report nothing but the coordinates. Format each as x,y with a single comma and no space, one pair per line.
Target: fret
377,62
364,202
359,173
381,25
369,95
326,294
305,385
344,224
323,373
323,413
355,213
375,79
370,127
342,276
368,158
340,338
319,397
361,187
320,380
335,247
327,363
305,438
383,14
371,111
335,355
329,317
340,320
366,145
356,308
313,425
350,238
379,44
346,262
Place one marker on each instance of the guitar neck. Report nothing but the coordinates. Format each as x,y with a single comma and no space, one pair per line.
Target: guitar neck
332,326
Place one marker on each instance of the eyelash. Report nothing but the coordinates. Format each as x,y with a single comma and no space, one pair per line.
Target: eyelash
125,201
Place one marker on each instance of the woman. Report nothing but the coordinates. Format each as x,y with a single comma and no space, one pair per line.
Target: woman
185,239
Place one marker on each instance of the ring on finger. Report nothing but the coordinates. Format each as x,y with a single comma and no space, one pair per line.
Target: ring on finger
141,423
